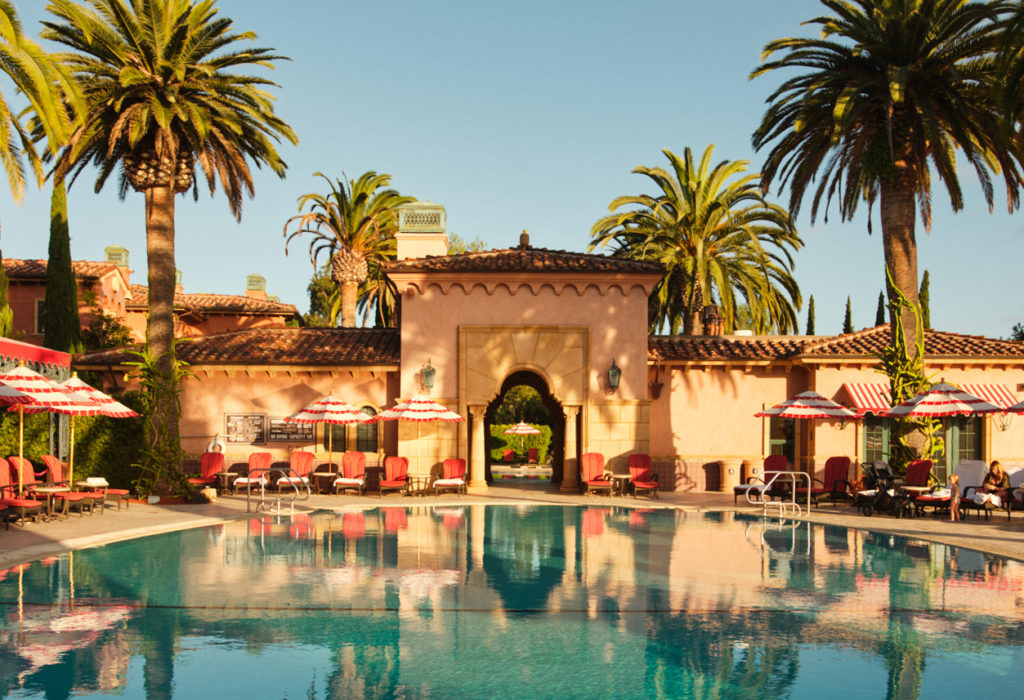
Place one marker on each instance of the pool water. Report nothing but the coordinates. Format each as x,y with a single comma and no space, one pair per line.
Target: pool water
504,601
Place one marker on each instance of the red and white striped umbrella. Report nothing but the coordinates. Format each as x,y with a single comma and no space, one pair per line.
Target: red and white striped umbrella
420,409
109,406
1016,408
329,409
943,400
809,404
521,429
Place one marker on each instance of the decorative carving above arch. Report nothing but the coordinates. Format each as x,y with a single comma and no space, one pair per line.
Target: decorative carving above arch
533,287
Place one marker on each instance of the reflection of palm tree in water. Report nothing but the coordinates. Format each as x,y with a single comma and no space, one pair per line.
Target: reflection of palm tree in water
528,561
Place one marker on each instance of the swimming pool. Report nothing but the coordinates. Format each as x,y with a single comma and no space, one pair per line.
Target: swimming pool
504,601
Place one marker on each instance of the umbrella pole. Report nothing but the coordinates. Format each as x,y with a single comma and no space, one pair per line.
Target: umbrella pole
71,453
21,447
330,446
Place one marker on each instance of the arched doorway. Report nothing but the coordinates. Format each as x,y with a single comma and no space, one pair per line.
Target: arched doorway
554,409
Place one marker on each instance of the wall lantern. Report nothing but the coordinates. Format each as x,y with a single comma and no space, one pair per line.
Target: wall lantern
614,375
427,374
1003,420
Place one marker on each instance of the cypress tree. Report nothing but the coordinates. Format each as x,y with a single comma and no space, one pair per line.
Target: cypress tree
6,314
880,311
62,328
848,321
924,298
810,316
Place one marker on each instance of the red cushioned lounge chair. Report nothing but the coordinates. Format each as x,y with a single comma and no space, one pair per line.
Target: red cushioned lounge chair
834,484
80,501
300,464
209,464
353,473
259,463
594,480
453,476
756,486
640,475
21,508
532,455
396,475
969,471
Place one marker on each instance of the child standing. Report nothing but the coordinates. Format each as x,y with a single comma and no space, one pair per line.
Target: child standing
954,497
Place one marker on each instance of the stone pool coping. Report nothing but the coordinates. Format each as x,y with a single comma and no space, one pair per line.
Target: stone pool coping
36,541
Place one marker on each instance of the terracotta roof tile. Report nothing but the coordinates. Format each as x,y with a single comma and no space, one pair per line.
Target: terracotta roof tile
216,303
277,346
868,342
523,260
36,269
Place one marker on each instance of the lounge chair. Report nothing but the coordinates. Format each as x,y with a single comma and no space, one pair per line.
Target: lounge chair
640,475
259,463
353,473
756,486
396,476
210,463
80,501
980,502
300,464
508,456
453,476
21,508
970,471
98,488
594,474
834,484
532,455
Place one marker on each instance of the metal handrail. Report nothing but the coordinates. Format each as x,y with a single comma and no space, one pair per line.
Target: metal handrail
283,471
793,506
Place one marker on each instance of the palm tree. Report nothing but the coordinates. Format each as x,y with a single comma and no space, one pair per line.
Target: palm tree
889,92
161,93
718,238
355,224
45,85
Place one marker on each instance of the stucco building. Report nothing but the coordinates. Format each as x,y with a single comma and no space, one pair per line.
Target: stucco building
559,321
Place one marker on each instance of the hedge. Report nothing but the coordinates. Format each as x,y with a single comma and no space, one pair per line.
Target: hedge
500,442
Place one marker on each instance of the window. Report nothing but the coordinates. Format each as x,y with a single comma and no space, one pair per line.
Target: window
876,439
334,437
782,438
366,433
40,316
963,441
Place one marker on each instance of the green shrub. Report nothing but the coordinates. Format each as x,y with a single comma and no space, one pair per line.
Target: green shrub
499,442
108,447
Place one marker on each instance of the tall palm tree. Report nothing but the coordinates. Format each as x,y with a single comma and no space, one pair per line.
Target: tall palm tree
719,239
889,93
161,92
355,225
45,85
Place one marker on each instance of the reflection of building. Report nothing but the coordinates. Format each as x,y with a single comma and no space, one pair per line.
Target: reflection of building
574,327
105,287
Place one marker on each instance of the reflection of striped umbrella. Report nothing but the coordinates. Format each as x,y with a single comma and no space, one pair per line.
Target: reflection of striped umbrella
333,410
809,404
521,429
943,400
45,395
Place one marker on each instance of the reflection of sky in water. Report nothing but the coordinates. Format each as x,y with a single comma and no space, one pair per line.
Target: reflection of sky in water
492,601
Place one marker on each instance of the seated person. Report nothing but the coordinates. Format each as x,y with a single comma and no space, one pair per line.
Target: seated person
996,482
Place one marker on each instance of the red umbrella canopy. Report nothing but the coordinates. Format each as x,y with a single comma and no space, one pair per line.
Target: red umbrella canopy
943,400
108,406
329,409
1016,408
41,391
420,409
809,404
521,429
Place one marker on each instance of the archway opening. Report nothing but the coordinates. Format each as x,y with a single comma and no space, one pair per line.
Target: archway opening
524,460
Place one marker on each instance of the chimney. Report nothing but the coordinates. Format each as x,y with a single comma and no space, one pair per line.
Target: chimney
710,320
116,254
178,289
422,230
256,286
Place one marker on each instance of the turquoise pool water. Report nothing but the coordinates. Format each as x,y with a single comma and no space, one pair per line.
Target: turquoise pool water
501,601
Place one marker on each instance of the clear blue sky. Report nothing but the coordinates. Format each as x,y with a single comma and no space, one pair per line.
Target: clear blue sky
524,115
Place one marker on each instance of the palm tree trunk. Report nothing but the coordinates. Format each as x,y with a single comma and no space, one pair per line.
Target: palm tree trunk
349,294
898,215
160,327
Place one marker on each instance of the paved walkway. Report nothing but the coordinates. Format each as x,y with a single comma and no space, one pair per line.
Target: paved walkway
34,541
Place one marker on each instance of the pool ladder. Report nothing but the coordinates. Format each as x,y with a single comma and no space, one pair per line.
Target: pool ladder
790,507
262,506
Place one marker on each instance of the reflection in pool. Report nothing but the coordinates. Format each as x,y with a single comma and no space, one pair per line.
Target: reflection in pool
488,601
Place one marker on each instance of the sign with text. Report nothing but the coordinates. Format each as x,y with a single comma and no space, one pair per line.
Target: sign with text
283,431
245,428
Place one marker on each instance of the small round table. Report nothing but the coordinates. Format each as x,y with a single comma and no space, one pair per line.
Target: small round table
49,492
317,476
418,485
620,483
224,480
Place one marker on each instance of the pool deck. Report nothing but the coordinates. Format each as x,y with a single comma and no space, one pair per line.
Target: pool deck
37,540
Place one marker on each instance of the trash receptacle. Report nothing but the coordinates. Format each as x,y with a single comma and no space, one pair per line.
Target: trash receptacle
730,474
